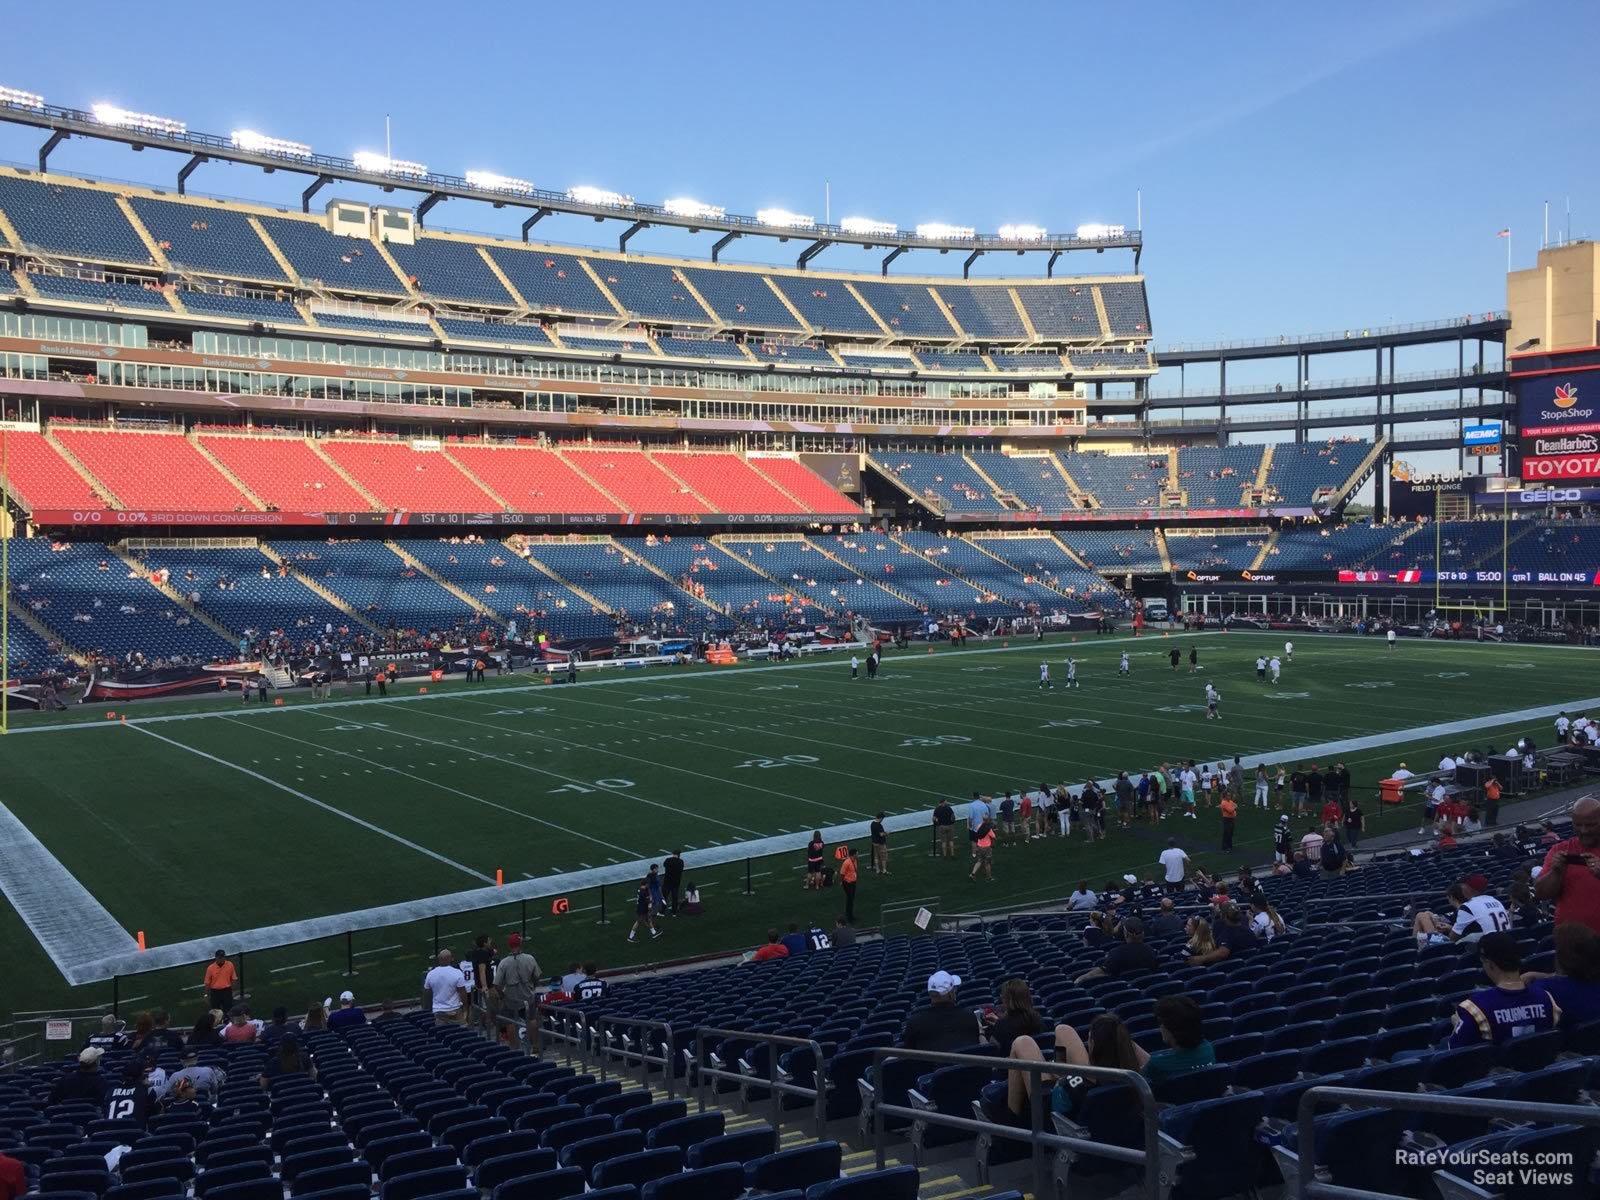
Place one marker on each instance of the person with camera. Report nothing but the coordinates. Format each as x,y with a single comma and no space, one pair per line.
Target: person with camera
1571,872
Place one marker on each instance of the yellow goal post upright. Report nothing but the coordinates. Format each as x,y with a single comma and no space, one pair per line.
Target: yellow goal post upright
1457,507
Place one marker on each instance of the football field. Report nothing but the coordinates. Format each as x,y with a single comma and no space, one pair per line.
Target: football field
256,826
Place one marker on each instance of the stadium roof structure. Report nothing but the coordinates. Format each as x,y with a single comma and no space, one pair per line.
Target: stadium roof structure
144,131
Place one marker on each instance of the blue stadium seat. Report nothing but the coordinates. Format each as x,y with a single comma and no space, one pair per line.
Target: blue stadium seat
892,1183
805,1166
547,1185
744,1146
725,1181
685,1132
637,1168
1221,1134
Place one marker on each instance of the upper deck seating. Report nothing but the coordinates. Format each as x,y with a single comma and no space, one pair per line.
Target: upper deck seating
728,483
345,264
1032,479
804,484
908,309
450,270
742,299
552,282
153,470
652,291
946,481
208,239
404,478
41,478
983,310
76,221
285,473
531,479
634,479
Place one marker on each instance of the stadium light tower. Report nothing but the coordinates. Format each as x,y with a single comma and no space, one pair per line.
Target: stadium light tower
18,98
489,181
260,143
683,206
126,118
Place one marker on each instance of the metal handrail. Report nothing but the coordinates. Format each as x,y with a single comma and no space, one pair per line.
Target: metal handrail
575,1042
779,1088
1289,340
1308,1187
643,1026
1035,1135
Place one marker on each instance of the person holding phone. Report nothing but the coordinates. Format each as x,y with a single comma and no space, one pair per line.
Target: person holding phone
1571,872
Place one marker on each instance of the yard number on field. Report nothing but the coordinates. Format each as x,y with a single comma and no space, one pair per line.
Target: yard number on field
942,739
604,785
788,760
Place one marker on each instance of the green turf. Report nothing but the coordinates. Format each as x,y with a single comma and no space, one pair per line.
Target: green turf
538,780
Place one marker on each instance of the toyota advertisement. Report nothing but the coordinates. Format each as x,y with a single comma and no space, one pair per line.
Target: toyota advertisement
1560,424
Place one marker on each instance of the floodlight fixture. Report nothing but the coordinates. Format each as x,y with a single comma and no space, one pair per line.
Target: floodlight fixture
866,225
382,164
259,143
489,181
683,206
1023,233
584,194
123,118
18,98
939,231
782,218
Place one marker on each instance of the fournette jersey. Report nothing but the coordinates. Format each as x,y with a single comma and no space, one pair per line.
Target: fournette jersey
1498,1014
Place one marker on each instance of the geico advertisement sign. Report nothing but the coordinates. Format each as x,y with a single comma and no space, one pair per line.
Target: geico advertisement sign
1566,466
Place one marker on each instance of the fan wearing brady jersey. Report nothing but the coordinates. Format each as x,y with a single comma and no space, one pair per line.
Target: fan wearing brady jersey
132,1099
1509,1008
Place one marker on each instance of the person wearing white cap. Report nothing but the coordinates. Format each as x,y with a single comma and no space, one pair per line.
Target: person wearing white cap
347,1015
942,1025
86,1083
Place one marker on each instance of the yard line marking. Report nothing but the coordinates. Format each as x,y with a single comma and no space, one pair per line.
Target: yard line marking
379,950
316,962
315,803
68,922
455,791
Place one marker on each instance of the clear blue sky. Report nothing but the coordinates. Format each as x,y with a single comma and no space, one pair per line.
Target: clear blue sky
1303,167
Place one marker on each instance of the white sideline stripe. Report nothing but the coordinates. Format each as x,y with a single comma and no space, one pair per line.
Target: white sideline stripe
256,713
69,923
268,936
322,804
315,962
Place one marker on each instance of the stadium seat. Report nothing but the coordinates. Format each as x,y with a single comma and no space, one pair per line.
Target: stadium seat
546,1185
805,1166
744,1146
637,1168
1221,1156
893,1183
688,1131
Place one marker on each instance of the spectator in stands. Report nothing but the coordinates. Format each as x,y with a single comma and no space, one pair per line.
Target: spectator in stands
348,1015
316,1018
1183,1033
110,1035
1174,864
204,1081
1131,957
205,1031
941,1024
86,1083
1575,986
1166,923
1571,872
794,941
133,1099
220,977
773,949
1507,1008
277,1028
444,991
1109,1046
516,976
1083,898
1016,1017
1265,922
290,1059
844,933
1232,936
13,1177
239,1027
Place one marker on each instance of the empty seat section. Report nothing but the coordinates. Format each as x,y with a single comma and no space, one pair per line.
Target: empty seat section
242,589
552,282
908,309
628,586
509,333
1032,479
827,582
531,479
31,654
983,310
1111,358
892,360
728,483
153,470
343,263
826,304
41,478
1126,308
805,485
1213,551
398,326
790,354
725,580
73,289
1042,557
268,310
878,557
1559,547
1454,546
1061,310
650,290
946,481
98,603
1119,480
742,299
451,270
634,479
1217,475
1115,550
1338,546
378,584
682,347
403,478
63,218
495,575
952,360
285,473
1298,473
997,579
208,239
